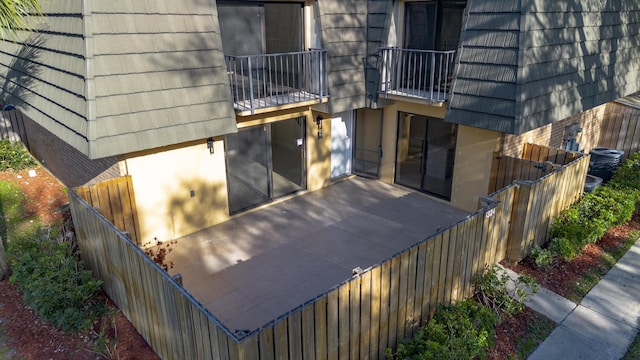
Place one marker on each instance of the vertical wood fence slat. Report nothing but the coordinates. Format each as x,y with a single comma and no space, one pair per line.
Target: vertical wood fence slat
412,260
429,281
321,326
449,275
308,333
333,335
376,295
471,242
394,293
267,349
383,334
281,339
624,129
295,335
343,322
401,320
607,130
115,199
248,349
354,317
440,265
420,275
452,270
365,315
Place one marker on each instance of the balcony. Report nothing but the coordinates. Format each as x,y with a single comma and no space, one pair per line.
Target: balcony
268,82
417,75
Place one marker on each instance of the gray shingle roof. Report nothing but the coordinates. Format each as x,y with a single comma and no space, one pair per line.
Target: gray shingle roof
524,64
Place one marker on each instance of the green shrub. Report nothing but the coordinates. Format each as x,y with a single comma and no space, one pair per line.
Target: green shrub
54,282
590,218
13,156
494,292
627,175
461,331
542,257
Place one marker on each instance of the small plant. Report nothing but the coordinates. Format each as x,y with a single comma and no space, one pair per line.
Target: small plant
13,156
461,331
159,252
54,282
503,295
542,257
103,344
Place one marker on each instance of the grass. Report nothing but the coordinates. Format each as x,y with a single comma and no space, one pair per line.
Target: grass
539,329
14,221
633,352
593,276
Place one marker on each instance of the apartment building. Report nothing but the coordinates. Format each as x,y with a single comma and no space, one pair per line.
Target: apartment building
215,108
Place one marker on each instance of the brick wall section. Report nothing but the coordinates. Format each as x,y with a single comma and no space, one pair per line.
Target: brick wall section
552,135
66,163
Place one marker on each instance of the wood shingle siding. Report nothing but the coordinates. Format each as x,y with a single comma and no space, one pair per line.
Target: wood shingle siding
556,59
112,78
343,32
159,75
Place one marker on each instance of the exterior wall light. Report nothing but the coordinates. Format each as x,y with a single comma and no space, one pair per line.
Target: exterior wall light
210,145
319,123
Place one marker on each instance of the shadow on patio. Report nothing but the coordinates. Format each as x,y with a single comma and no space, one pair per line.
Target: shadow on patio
258,266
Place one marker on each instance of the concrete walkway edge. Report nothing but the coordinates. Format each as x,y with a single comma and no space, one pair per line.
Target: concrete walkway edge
603,325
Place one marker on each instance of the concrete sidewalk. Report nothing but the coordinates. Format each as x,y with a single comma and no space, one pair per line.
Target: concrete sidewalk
603,325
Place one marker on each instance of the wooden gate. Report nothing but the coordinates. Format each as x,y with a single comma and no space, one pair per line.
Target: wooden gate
115,200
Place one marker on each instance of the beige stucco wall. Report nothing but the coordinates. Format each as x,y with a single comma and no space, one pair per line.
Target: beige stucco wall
471,172
163,182
163,179
318,152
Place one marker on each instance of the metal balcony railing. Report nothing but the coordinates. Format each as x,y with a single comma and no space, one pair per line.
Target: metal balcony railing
420,74
273,80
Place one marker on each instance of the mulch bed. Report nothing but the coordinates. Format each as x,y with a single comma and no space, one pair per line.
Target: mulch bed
559,279
32,338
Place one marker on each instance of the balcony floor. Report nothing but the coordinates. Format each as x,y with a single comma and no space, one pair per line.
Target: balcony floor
262,264
417,95
276,102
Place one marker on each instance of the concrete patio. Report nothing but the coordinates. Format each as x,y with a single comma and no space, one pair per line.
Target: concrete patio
260,265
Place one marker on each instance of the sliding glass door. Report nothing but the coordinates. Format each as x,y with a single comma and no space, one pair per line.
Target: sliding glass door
264,162
425,154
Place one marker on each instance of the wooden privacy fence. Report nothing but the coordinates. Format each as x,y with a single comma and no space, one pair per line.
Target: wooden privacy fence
537,202
170,319
363,316
621,129
360,318
541,153
548,181
12,126
536,162
357,319
116,201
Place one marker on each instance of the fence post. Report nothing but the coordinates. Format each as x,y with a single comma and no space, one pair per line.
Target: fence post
519,221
